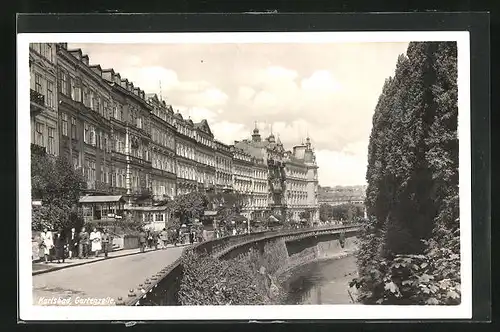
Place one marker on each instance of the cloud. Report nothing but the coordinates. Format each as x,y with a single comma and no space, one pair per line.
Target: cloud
320,80
245,94
326,90
227,132
199,113
340,168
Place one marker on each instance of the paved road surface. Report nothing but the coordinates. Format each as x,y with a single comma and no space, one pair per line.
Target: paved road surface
107,278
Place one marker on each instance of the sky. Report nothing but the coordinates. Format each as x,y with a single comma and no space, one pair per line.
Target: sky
327,91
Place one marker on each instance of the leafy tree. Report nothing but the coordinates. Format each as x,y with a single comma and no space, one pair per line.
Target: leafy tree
58,185
409,248
325,212
189,206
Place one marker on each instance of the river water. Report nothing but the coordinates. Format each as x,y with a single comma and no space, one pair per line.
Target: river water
322,282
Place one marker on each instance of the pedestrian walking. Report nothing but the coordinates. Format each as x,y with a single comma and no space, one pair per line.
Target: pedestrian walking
142,240
105,240
164,238
149,238
95,238
47,243
191,236
73,244
59,245
155,236
83,243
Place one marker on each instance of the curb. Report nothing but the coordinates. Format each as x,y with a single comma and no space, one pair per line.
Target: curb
57,268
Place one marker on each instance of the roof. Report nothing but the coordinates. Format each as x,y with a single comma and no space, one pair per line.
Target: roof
101,199
147,208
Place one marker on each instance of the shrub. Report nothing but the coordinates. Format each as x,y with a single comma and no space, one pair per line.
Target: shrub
210,281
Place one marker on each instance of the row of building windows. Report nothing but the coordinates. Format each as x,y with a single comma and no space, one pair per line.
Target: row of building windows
185,151
223,179
205,141
163,114
165,163
44,86
186,172
163,138
44,49
224,164
243,171
78,91
205,159
163,187
45,136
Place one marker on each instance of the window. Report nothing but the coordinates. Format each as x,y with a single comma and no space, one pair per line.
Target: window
139,122
51,142
38,83
76,90
73,128
102,174
75,162
92,171
106,146
39,134
159,217
91,100
106,174
86,133
64,82
86,100
47,51
98,106
105,109
64,120
50,94
93,138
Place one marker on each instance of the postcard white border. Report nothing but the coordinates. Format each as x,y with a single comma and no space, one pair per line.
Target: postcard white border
30,312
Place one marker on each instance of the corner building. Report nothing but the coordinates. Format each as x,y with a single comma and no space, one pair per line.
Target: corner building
43,97
292,180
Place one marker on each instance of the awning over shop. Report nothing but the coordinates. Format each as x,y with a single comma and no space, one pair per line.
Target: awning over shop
273,218
238,217
101,199
210,213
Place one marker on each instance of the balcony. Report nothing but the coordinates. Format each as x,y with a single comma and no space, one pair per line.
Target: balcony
37,98
37,149
37,101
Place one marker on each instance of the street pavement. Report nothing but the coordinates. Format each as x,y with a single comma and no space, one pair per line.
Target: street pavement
102,279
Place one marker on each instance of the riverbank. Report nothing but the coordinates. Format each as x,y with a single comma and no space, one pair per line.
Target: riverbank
322,281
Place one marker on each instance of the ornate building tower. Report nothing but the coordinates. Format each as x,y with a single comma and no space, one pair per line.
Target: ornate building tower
312,180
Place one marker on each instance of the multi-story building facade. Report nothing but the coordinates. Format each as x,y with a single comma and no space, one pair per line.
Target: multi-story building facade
187,167
301,173
132,145
163,156
84,116
292,177
43,97
260,190
223,166
243,174
205,155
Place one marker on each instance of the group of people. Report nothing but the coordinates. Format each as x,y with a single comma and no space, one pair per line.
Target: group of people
59,245
154,240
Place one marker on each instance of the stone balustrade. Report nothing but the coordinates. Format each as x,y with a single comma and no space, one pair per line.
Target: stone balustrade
166,282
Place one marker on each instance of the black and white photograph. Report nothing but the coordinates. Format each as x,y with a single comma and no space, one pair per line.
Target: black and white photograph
252,175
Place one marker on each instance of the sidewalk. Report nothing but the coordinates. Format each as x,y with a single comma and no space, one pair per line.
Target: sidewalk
41,267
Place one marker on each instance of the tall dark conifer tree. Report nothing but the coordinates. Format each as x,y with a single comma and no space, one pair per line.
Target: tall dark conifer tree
412,174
